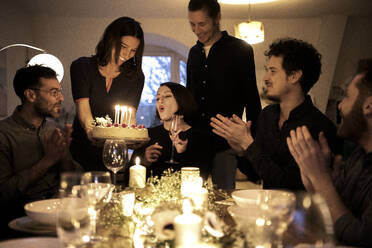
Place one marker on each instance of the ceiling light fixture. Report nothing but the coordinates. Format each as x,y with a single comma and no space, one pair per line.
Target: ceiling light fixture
43,59
250,31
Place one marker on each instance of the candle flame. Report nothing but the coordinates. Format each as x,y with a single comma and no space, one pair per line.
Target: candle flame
130,110
122,108
137,160
117,107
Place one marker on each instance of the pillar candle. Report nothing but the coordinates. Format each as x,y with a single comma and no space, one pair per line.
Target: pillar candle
137,175
194,190
188,227
128,200
189,173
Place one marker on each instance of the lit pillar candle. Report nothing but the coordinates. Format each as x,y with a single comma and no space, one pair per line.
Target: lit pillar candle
117,114
189,173
130,116
128,200
188,227
137,175
194,190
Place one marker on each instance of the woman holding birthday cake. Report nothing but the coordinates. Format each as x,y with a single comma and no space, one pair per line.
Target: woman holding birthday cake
191,147
112,76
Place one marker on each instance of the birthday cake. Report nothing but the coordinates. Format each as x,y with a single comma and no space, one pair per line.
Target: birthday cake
105,129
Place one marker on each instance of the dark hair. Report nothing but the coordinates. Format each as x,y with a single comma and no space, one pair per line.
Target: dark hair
211,6
29,77
364,85
298,55
185,101
111,38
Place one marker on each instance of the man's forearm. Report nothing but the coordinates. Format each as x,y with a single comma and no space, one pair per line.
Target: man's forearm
328,191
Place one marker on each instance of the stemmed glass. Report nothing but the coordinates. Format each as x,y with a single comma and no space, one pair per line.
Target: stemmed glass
312,222
73,218
115,156
96,190
172,132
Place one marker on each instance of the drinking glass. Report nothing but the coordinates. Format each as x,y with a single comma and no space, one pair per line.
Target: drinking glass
115,156
72,215
96,191
312,222
172,131
265,219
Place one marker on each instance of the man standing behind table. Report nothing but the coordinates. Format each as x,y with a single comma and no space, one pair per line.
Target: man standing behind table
293,67
33,151
348,188
221,76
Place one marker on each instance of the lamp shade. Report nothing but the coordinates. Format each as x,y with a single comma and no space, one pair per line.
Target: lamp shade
251,32
49,60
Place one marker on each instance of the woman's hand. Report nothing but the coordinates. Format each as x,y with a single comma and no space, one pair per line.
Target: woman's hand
152,153
179,144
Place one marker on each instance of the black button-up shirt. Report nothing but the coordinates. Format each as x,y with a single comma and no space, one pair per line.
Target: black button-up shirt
354,184
224,82
269,153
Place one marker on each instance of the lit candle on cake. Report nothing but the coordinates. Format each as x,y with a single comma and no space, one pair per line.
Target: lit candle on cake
137,175
117,114
125,119
121,115
188,227
130,116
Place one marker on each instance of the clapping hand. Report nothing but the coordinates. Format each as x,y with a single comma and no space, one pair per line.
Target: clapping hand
236,132
56,146
313,157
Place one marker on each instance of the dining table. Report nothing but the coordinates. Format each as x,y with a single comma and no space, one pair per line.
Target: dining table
298,233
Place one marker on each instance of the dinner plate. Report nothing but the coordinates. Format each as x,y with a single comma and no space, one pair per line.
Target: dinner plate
32,243
26,224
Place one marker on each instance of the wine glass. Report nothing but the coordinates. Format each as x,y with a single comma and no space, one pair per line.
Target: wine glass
172,131
73,218
96,190
115,156
265,217
312,222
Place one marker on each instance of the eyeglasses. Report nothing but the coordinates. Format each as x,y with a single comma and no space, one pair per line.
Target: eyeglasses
53,92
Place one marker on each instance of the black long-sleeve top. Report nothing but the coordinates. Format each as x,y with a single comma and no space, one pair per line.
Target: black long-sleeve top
354,185
224,82
269,154
197,154
87,82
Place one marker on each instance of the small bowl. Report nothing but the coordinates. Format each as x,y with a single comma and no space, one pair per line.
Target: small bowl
244,215
246,198
44,211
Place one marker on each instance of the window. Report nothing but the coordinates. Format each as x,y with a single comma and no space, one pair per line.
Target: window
159,65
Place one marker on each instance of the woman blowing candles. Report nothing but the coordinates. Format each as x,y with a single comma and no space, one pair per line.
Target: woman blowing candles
191,146
112,76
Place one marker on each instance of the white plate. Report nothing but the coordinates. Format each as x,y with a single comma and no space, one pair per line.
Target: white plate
26,224
32,243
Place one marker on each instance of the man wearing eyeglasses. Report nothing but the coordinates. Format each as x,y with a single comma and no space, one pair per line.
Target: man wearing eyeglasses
33,150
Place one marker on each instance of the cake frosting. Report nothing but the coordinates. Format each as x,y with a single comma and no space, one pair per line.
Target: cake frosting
105,129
